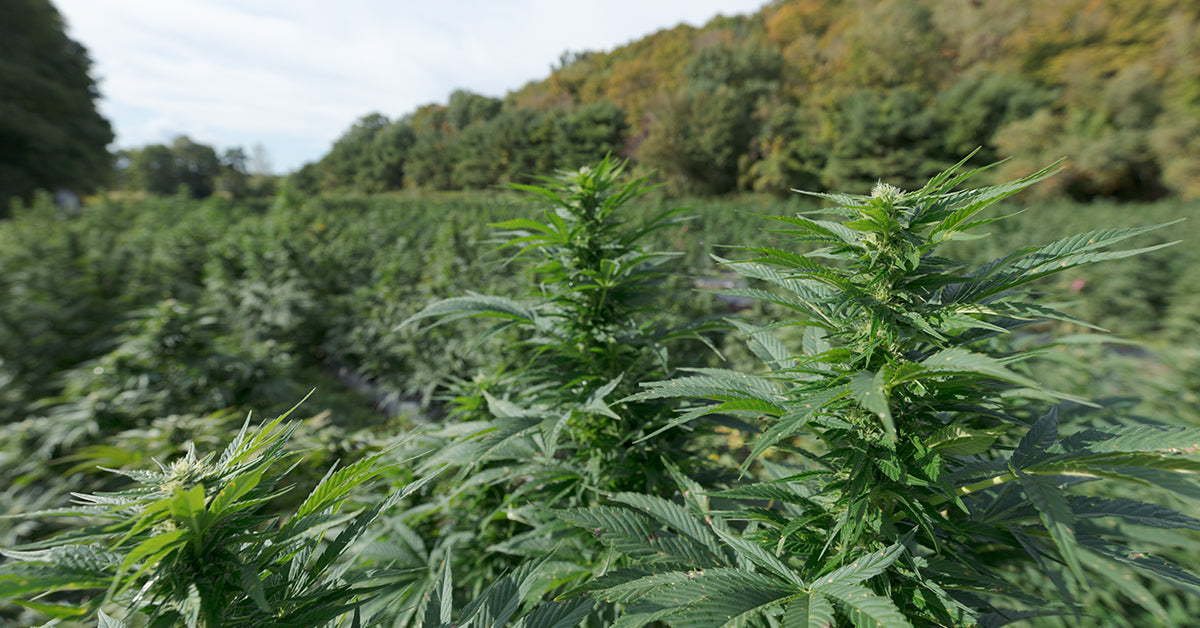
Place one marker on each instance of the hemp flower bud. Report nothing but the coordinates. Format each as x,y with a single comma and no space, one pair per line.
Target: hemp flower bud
886,192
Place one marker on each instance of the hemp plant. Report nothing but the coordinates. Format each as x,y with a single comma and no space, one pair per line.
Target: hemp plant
544,432
905,480
589,331
193,544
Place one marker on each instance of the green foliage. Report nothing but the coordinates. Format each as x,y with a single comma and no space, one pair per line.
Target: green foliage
832,96
909,482
363,156
194,169
876,131
172,358
191,544
976,107
144,327
51,135
588,331
161,169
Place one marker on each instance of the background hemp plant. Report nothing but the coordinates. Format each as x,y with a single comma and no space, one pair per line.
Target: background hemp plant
913,473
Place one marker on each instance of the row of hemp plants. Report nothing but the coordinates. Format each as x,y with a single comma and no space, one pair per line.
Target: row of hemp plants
907,466
587,333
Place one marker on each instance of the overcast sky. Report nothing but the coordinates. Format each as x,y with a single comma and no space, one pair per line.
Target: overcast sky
294,74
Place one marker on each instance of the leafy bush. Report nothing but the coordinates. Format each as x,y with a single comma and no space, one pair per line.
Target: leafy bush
909,479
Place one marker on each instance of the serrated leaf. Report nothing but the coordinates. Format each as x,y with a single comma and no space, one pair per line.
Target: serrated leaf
24,579
55,611
958,360
716,384
252,586
778,491
494,606
630,619
752,407
789,424
864,608
1152,566
527,224
969,203
1183,441
783,258
633,533
1056,515
863,568
454,308
1032,311
187,506
685,416
1033,447
338,484
960,441
149,553
870,390
1141,513
104,620
708,597
759,556
809,611
563,614
673,515
444,594
763,344
1183,484
1130,588
1034,263
234,489
835,230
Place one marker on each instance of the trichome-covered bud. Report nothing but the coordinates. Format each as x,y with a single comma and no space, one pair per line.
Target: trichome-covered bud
886,192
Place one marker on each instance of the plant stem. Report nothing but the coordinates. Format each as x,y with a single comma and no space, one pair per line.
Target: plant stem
961,491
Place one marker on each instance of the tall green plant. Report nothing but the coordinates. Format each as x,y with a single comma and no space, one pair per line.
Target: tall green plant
193,544
908,480
589,331
543,430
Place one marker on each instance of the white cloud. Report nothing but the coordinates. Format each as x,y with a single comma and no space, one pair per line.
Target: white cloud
294,75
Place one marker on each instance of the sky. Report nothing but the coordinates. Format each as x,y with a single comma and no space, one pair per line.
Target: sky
293,75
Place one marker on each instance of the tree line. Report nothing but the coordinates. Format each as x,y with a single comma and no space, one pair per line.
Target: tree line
474,141
53,138
830,96
801,94
195,169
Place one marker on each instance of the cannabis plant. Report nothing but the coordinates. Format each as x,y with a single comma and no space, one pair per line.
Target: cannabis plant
588,333
193,543
543,431
912,471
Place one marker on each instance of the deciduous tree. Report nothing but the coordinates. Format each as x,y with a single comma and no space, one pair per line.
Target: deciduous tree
51,134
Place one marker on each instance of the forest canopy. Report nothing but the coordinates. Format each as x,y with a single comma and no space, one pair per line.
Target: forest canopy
830,96
801,94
